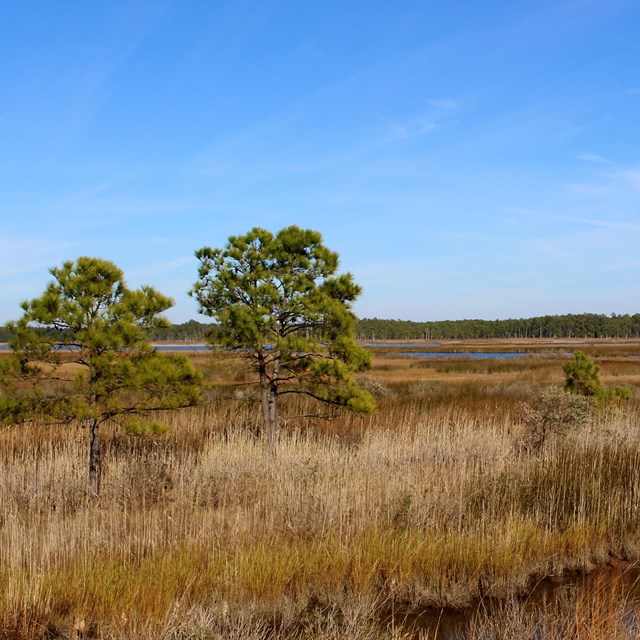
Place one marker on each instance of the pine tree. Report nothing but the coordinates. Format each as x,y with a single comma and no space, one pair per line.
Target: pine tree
278,300
81,352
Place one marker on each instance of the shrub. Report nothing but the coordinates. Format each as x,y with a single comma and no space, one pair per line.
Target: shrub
583,378
553,411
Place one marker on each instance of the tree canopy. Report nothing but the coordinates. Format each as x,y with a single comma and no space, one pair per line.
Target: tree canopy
581,325
278,299
582,377
81,352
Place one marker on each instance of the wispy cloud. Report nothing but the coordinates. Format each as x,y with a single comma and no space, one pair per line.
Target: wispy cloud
120,36
631,177
96,208
438,113
401,131
591,189
524,211
614,225
21,255
543,219
617,185
446,104
593,157
161,267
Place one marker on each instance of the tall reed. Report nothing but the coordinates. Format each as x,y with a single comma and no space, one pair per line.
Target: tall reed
424,504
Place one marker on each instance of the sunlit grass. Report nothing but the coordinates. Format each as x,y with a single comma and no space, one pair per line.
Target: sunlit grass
430,502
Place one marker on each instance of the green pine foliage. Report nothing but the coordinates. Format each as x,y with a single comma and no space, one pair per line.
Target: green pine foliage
582,377
277,299
81,352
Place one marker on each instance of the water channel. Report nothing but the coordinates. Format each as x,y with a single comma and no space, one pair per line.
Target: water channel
464,354
604,603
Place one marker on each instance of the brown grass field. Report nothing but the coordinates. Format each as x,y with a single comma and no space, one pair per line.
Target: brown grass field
442,513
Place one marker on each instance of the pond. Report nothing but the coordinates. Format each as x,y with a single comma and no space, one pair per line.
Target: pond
181,347
604,603
463,354
399,344
157,347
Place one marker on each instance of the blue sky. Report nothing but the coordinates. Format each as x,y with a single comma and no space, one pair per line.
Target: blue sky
466,159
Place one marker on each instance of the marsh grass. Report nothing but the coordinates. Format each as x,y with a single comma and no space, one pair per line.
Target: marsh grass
597,606
429,503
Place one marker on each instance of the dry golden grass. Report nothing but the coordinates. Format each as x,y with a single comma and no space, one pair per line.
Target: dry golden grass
430,502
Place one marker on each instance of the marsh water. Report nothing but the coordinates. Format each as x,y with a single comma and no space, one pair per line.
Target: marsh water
157,347
607,597
477,355
418,354
400,344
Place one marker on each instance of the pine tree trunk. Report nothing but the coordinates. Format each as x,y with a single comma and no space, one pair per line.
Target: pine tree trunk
269,391
273,416
95,456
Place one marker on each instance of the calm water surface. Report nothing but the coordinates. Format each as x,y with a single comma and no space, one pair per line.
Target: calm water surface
399,344
157,347
463,354
422,354
596,595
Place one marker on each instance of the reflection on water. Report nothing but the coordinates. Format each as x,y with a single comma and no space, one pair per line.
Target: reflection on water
602,604
464,354
157,347
181,347
399,344
420,354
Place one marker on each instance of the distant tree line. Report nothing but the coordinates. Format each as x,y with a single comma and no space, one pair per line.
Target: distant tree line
582,325
192,331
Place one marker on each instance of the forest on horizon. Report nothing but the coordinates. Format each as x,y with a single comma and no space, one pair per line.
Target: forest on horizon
582,325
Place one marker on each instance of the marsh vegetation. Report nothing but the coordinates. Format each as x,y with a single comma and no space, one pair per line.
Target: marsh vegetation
380,526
